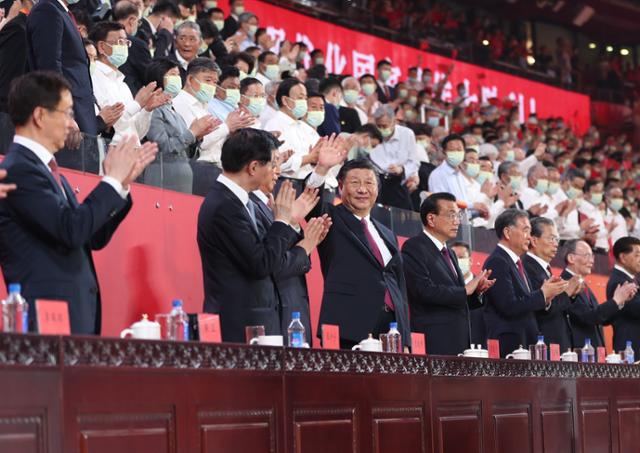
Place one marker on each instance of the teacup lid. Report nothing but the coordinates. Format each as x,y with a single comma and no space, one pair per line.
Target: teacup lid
370,340
144,322
521,349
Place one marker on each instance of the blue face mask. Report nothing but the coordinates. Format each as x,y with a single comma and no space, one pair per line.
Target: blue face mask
616,204
433,121
300,108
542,185
119,55
233,97
205,93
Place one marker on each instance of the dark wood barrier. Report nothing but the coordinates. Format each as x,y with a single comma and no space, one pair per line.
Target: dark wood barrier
78,394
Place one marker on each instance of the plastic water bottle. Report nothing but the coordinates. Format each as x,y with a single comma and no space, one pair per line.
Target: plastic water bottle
15,311
540,349
588,354
178,323
297,337
394,338
629,355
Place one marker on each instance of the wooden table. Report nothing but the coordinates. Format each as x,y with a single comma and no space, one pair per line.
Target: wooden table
87,394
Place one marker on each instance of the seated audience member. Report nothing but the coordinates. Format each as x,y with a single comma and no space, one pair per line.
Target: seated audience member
439,298
592,208
237,259
244,62
176,141
268,69
109,87
331,90
534,196
270,110
254,99
613,220
480,196
351,93
395,159
552,321
126,14
626,323
511,302
364,286
570,225
585,314
247,27
46,235
187,46
227,95
448,176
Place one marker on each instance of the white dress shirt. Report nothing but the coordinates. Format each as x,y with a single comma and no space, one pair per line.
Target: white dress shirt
541,262
445,178
594,213
262,78
181,61
568,225
298,136
620,230
399,149
238,191
439,244
268,113
190,109
384,250
45,156
109,88
515,258
530,197
624,271
262,196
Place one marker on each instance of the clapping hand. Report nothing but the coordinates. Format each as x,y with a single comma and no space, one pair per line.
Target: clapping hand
283,204
303,205
314,233
110,114
5,188
333,151
145,155
126,161
574,287
624,293
553,287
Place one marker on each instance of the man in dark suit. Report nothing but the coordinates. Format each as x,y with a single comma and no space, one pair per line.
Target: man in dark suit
231,24
46,236
511,302
55,45
364,286
157,29
237,259
331,90
439,299
134,69
626,323
384,91
553,321
586,315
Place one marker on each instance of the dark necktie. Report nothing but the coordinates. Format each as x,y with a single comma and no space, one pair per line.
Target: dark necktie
449,261
376,252
252,214
549,271
53,165
522,274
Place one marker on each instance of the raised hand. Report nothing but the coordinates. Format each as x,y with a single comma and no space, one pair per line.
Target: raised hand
312,234
143,95
574,287
333,151
304,204
327,226
145,155
121,158
283,204
553,287
157,99
239,119
624,293
204,125
5,188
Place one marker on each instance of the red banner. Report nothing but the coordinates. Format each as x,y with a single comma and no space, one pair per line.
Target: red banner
350,52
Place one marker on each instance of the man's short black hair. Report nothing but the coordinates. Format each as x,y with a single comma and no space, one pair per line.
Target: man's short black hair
508,218
234,58
247,145
263,56
430,204
354,164
461,244
157,69
315,52
284,89
317,71
124,9
538,224
382,63
451,138
228,72
102,29
207,29
624,245
329,84
35,89
165,8
201,64
247,82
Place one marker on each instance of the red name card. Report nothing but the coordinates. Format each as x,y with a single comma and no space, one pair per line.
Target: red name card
601,354
52,317
555,352
330,336
209,328
418,344
494,349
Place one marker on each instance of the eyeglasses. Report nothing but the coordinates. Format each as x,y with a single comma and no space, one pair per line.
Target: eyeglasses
119,42
69,113
552,239
453,216
588,256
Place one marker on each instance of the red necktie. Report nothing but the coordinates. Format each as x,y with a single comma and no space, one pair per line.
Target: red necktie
522,274
447,258
53,165
376,252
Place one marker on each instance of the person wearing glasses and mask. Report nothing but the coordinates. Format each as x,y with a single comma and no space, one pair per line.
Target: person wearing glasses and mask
109,87
439,298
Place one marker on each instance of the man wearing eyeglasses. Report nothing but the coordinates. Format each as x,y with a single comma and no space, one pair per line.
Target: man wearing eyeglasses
553,320
586,315
109,87
439,299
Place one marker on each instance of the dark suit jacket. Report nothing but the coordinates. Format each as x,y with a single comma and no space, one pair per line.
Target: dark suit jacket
135,67
586,316
349,119
552,323
290,277
237,264
162,40
354,280
56,45
509,306
382,97
626,323
13,54
46,239
331,123
230,27
437,299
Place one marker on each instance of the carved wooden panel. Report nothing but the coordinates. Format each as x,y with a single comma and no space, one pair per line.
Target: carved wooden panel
628,425
596,426
557,428
238,431
134,432
22,432
459,427
398,429
512,428
322,430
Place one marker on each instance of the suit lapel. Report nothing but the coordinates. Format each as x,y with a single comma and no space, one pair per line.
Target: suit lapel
355,229
386,236
514,270
439,259
30,155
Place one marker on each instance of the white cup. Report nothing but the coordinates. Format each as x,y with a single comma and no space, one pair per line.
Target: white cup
613,358
519,354
143,329
268,340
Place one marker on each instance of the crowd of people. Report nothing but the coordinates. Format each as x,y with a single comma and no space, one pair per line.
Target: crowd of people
204,103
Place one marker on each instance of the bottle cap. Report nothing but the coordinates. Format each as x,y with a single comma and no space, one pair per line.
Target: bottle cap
393,325
587,341
295,315
176,303
541,338
14,288
628,343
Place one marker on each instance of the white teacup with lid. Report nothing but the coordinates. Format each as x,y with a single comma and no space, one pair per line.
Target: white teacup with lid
475,352
569,356
143,329
520,354
368,344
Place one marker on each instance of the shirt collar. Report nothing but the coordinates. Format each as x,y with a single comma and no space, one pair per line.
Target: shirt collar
539,260
154,30
108,71
515,258
262,196
192,100
439,245
449,169
570,271
284,117
367,218
624,271
184,63
36,148
238,191
63,5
